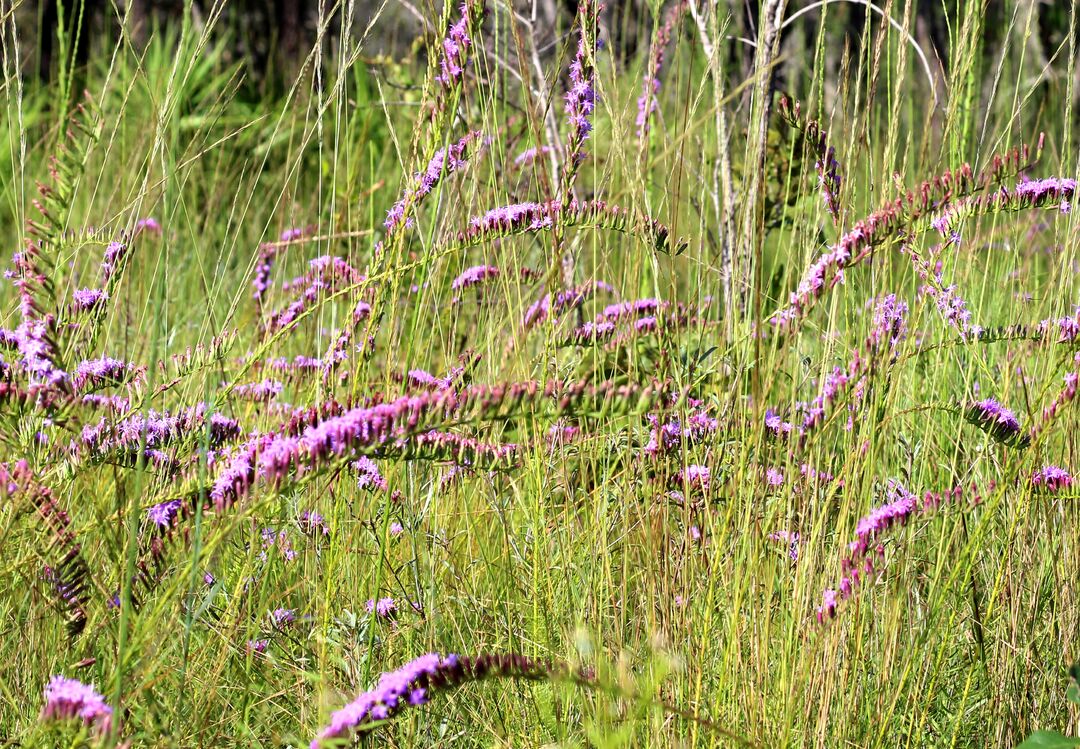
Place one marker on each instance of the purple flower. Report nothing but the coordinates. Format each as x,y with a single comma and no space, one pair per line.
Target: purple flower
396,528
148,224
897,512
38,352
827,609
889,323
1052,478
384,607
581,95
666,436
367,474
996,420
632,309
312,523
775,424
425,379
279,540
791,538
260,392
84,300
93,374
455,50
696,477
445,161
474,276
298,232
257,646
591,332
114,254
163,513
396,690
282,618
529,155
69,698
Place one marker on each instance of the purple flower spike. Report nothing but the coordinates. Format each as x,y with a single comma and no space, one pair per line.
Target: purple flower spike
647,103
475,276
163,514
581,95
997,421
455,50
85,300
384,607
1052,478
529,155
396,690
282,618
791,538
66,699
697,477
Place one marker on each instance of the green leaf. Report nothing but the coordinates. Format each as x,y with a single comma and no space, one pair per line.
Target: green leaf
1049,740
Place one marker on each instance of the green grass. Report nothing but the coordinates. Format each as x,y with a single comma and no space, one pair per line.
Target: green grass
578,555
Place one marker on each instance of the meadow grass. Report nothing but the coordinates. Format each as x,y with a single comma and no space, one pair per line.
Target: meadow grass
577,532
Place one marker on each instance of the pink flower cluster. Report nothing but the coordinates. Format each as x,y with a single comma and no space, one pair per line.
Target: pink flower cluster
67,699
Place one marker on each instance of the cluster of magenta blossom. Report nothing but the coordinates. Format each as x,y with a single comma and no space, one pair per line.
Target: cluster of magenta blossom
1064,329
164,513
558,304
368,475
696,478
154,431
313,524
94,374
460,449
996,420
1049,192
858,565
647,102
263,391
384,608
477,275
446,161
535,217
825,163
888,329
529,155
416,682
1051,478
952,307
70,699
791,538
276,541
268,252
282,618
457,44
274,458
581,93
889,325
422,379
326,275
85,300
668,435
958,191
1065,396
